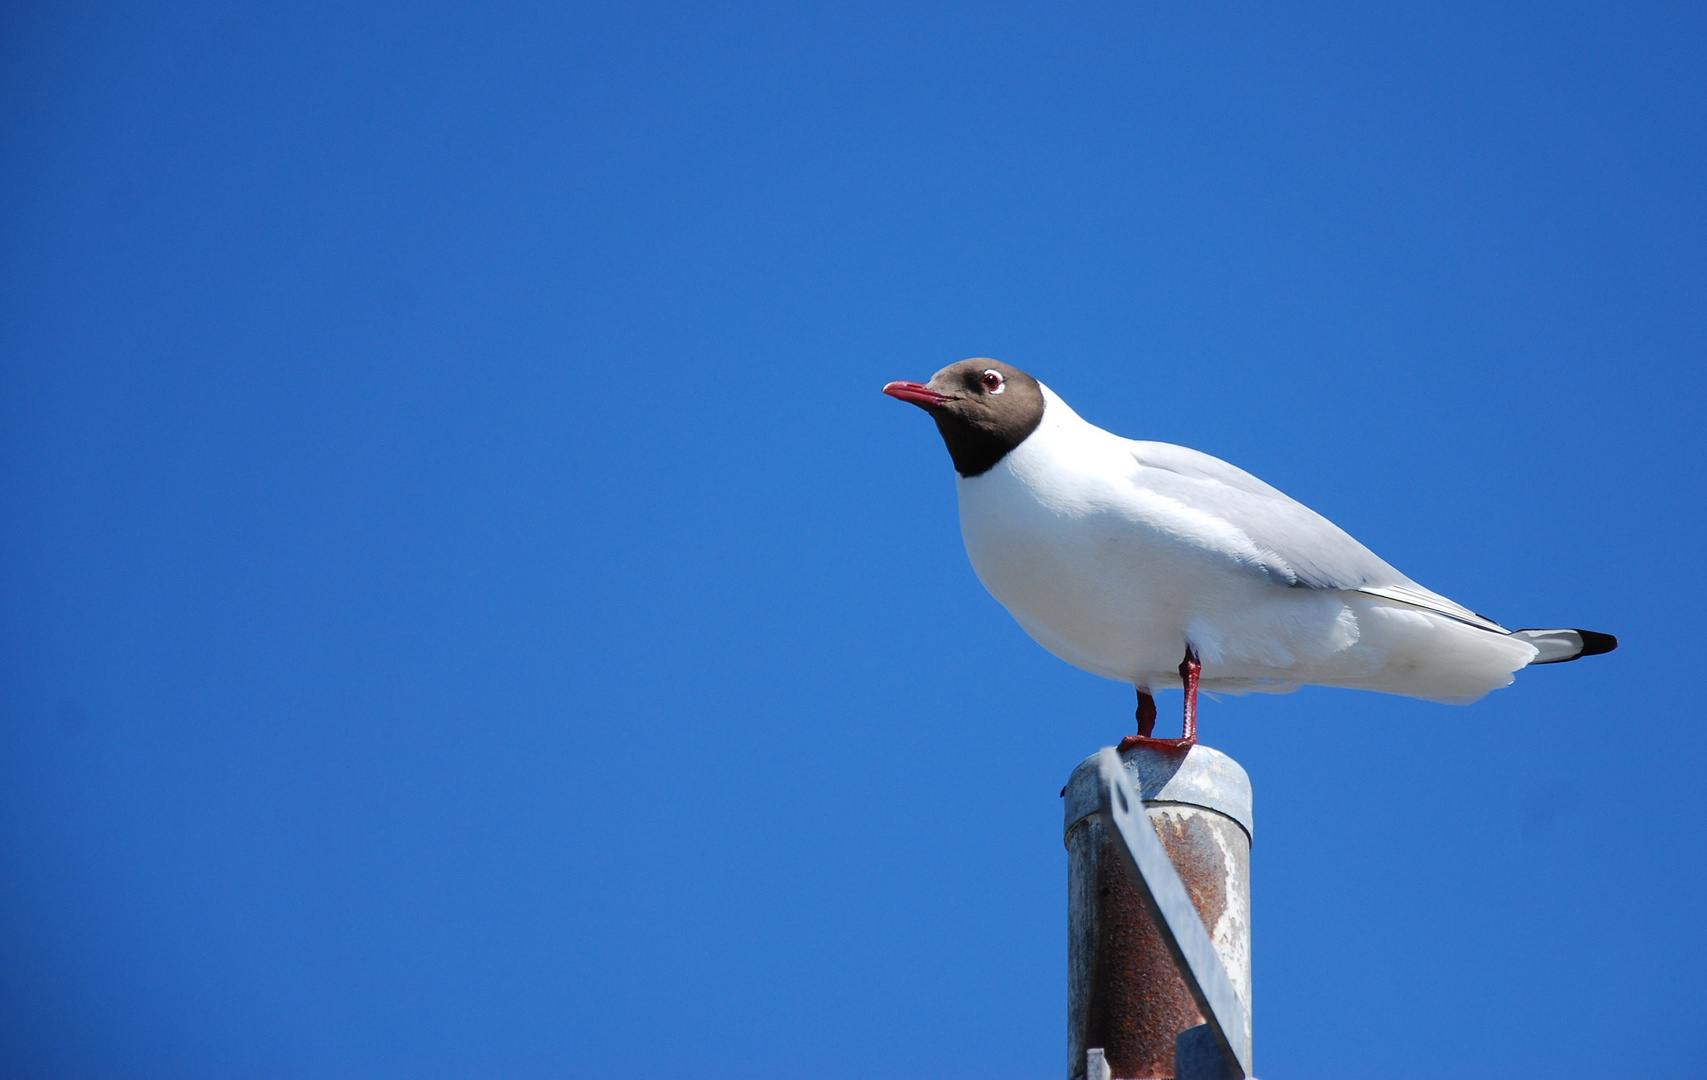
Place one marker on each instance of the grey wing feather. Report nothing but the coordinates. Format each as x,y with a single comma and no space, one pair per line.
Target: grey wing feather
1295,546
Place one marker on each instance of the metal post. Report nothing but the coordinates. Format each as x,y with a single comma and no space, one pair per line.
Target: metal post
1125,993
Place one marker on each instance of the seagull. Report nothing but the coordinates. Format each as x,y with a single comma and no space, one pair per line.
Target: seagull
1121,557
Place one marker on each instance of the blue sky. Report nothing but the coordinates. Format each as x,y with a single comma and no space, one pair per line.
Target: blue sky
467,610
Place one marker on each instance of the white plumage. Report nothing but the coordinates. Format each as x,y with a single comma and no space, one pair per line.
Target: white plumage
1114,553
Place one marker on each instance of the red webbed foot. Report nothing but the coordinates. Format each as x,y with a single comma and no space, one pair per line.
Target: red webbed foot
1190,672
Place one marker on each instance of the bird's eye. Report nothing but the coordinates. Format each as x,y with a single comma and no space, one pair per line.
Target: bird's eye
993,382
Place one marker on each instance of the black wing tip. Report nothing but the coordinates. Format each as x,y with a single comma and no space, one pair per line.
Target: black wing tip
1591,643
1596,643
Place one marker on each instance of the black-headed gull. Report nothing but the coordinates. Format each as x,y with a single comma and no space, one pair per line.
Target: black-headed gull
1121,556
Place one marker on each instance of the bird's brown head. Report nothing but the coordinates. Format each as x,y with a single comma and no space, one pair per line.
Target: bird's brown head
983,408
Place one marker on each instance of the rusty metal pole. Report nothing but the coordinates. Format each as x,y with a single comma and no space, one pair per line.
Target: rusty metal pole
1124,994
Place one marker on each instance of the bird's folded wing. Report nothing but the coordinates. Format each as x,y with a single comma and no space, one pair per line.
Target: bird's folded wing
1265,532
1418,597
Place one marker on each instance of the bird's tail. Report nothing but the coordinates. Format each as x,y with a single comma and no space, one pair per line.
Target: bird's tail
1557,646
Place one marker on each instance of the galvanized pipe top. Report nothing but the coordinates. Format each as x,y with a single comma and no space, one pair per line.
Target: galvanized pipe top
1202,776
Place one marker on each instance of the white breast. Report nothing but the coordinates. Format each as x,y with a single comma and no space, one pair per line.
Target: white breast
1056,534
1115,578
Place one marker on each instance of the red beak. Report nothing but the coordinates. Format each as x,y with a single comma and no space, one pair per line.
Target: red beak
917,393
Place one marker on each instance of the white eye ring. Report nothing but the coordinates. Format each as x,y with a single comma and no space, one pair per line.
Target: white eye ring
993,381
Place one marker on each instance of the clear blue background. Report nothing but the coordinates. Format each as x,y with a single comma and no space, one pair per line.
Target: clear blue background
468,612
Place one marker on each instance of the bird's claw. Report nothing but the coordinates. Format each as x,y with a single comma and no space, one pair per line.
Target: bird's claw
1132,742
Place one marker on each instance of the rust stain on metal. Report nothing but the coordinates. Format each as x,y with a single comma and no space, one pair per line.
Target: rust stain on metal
1138,1002
1124,993
1199,859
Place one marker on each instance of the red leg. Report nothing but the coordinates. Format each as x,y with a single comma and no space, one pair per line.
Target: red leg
1190,672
